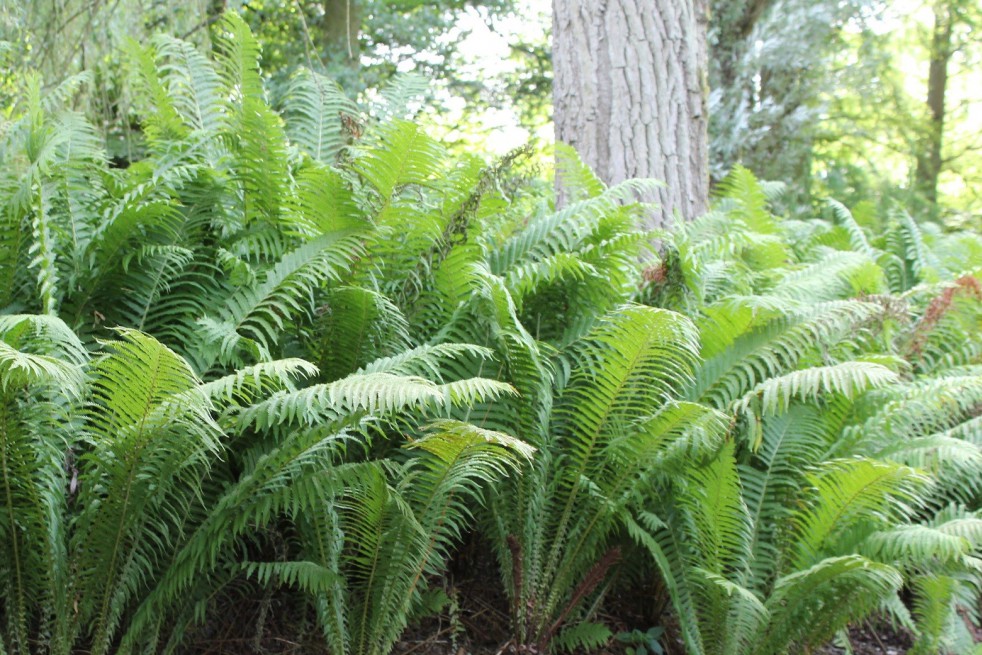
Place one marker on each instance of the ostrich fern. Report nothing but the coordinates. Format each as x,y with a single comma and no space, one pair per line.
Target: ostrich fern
788,429
815,518
149,520
140,463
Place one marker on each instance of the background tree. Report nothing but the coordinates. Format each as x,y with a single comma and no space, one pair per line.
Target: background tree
361,44
770,71
951,32
630,94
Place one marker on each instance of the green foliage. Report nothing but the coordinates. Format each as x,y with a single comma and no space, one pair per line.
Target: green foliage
145,467
850,439
288,346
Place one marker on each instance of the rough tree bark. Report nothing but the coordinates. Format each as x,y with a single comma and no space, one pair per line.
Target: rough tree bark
630,94
929,160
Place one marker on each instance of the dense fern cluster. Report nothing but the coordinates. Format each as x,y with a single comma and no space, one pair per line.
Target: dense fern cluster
301,345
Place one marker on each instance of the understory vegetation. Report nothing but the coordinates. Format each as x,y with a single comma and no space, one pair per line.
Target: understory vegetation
299,345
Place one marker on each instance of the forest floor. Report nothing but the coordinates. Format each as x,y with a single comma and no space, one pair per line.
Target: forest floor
474,622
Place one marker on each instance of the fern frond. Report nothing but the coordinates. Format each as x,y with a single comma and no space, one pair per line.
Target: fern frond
552,234
809,606
834,275
41,382
313,108
915,544
401,155
358,325
578,180
746,199
259,313
857,237
246,384
848,493
309,577
192,83
584,636
373,393
398,97
848,379
151,429
741,351
721,526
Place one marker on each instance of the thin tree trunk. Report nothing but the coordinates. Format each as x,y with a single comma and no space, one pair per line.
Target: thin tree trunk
630,94
929,159
342,22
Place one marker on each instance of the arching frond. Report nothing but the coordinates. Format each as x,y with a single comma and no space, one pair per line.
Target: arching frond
151,428
401,154
914,544
372,393
397,99
857,238
741,350
258,313
848,493
578,180
313,109
809,606
848,379
40,350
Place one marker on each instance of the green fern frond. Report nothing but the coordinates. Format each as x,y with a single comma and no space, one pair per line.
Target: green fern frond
193,85
848,493
915,544
849,379
259,313
809,606
40,350
400,534
357,326
921,259
309,577
559,232
721,526
742,351
933,600
731,616
313,108
296,475
374,392
834,275
246,384
150,429
400,155
578,180
746,199
584,636
857,237
427,361
398,97
322,203
41,382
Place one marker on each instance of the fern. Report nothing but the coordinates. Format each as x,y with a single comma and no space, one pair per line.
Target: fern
313,113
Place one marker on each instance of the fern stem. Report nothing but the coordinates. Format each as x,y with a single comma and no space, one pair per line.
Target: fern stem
21,611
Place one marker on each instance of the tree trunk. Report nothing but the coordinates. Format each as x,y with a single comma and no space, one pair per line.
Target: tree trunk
630,94
732,24
929,158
